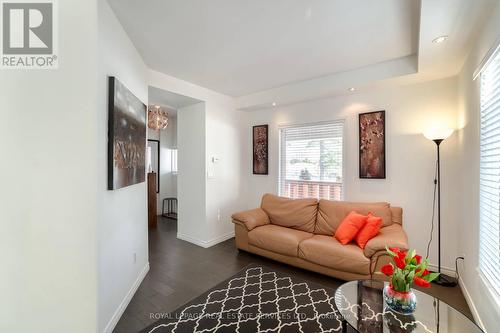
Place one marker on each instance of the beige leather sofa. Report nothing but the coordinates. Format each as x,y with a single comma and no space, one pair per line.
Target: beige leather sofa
300,232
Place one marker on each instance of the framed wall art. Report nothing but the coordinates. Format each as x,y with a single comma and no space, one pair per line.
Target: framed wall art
372,145
126,137
261,150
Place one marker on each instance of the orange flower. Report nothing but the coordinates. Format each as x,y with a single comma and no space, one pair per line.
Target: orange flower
394,249
418,258
426,272
387,269
421,282
400,262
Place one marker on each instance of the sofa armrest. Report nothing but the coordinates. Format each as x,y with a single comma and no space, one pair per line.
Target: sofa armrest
390,236
251,218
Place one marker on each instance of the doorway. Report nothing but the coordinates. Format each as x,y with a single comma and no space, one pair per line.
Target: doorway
162,157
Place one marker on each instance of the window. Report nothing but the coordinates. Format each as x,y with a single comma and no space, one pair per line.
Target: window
311,161
489,178
174,160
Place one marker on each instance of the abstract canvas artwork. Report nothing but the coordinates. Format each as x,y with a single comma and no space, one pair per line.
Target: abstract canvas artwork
126,137
260,150
372,145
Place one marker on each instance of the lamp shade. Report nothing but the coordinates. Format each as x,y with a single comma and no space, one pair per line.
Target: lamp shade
438,133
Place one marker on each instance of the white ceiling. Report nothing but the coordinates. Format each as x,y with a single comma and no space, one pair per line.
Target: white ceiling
265,52
238,47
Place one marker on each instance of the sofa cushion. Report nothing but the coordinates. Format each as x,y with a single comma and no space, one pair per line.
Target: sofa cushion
277,239
251,218
350,227
391,236
292,213
332,213
397,215
370,230
327,251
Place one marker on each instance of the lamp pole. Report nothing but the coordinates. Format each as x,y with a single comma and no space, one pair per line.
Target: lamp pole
442,280
438,143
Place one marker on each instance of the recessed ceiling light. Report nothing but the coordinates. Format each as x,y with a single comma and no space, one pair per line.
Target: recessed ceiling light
351,89
440,39
274,104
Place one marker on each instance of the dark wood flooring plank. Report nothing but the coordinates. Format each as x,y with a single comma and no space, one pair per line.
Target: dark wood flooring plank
180,271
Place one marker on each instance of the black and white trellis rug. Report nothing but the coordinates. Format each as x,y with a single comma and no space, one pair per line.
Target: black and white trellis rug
256,299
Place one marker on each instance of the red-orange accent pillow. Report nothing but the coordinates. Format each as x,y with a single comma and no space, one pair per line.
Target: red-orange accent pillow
370,230
349,227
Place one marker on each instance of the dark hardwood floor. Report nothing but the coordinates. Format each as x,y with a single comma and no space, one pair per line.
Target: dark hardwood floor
180,271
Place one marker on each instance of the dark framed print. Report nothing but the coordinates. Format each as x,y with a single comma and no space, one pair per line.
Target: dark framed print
372,145
153,159
260,150
126,137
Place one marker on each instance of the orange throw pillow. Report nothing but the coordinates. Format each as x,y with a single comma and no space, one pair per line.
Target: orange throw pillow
370,230
349,227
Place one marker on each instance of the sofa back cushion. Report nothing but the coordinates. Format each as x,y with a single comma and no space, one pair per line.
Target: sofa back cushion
291,213
397,215
332,213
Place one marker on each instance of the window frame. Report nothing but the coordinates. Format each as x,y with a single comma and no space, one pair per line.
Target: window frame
281,127
483,277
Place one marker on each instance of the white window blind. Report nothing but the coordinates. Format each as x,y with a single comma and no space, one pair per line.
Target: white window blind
311,161
489,191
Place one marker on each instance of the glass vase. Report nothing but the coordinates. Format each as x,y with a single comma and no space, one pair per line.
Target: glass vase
400,302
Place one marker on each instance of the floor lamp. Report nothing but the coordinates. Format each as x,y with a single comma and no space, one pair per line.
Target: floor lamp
438,136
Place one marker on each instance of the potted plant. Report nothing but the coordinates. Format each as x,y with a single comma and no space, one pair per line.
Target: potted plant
407,269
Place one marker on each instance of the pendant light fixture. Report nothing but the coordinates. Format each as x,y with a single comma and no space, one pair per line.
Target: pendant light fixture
157,118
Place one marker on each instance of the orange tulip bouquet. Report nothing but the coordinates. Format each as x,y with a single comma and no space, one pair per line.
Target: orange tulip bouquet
408,268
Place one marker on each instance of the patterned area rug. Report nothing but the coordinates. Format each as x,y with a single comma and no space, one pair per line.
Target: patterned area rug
256,299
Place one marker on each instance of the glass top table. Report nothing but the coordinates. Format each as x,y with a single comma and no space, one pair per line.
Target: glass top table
361,305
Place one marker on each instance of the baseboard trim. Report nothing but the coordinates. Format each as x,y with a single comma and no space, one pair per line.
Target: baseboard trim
126,300
471,304
203,243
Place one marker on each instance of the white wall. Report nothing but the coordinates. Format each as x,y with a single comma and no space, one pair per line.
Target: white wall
486,310
122,219
410,157
48,185
168,179
225,190
72,241
191,178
